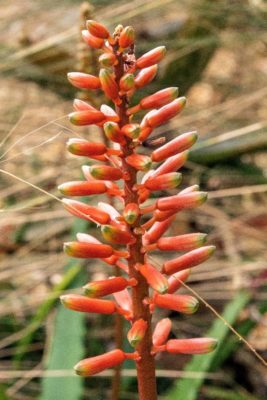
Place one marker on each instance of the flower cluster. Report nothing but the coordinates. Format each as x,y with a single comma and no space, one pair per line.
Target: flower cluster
136,229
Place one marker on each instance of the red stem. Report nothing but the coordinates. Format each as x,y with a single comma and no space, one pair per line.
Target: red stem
146,365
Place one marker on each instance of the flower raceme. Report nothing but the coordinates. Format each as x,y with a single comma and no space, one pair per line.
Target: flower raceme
132,229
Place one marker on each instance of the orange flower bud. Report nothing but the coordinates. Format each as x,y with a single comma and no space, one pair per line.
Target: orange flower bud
86,212
109,84
81,147
97,29
175,280
105,287
164,182
137,332
85,238
80,105
84,81
139,162
177,145
188,260
105,172
191,346
161,332
145,132
159,98
187,200
190,189
113,132
161,216
145,76
127,36
131,213
131,130
94,365
154,278
171,164
182,303
163,114
125,302
186,242
157,230
92,41
127,82
116,235
110,114
89,117
109,209
87,250
82,188
151,57
107,59
84,304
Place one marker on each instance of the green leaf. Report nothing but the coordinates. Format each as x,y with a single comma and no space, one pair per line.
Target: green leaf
66,347
65,351
189,388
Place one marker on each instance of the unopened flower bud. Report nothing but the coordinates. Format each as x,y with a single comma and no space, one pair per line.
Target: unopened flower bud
92,41
116,235
127,36
145,76
107,59
188,260
127,82
139,162
105,172
182,303
181,201
84,81
113,132
154,278
175,280
137,332
81,147
89,117
151,57
82,188
124,301
131,213
163,114
186,242
105,287
191,346
109,113
109,84
131,130
171,164
97,29
177,145
84,211
87,250
85,304
109,209
80,105
159,98
94,365
161,332
157,230
164,182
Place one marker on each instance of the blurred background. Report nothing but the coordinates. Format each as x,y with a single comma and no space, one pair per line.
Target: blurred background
217,57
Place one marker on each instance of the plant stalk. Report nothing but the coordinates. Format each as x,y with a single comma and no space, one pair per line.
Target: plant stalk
146,375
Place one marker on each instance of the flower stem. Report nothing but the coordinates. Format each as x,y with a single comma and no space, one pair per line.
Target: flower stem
146,365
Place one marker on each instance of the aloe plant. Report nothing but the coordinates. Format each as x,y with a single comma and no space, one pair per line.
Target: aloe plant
133,229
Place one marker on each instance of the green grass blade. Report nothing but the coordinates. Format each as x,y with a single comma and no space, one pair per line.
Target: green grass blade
65,351
189,388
